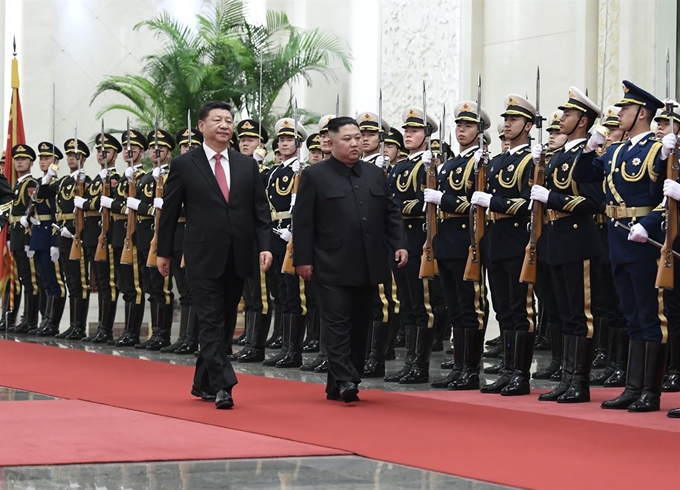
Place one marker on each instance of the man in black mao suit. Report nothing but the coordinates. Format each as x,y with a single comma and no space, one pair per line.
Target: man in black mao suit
226,215
343,219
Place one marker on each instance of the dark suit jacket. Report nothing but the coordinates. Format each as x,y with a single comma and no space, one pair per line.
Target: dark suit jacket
212,224
345,223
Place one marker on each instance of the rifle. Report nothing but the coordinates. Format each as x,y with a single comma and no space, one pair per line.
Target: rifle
664,275
126,257
77,245
528,273
102,253
381,133
428,264
152,259
287,267
473,267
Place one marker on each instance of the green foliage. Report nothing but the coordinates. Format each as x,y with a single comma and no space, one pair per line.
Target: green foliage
221,59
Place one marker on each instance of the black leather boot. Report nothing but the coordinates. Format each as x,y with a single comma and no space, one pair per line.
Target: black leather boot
618,378
254,349
395,321
311,343
420,370
135,315
556,348
672,382
318,365
81,307
635,374
543,340
57,311
293,357
568,361
375,366
674,413
579,389
72,319
49,302
184,312
86,337
104,334
154,327
508,343
602,336
190,344
472,361
494,352
494,341
162,336
400,339
655,366
598,379
31,310
441,320
8,322
410,334
286,321
458,335
276,340
524,354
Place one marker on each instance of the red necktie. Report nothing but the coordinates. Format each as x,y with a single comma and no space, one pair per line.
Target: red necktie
221,177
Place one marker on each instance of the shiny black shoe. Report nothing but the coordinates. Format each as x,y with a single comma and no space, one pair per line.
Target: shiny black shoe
495,369
240,340
205,396
400,341
373,369
548,372
542,343
250,354
674,413
415,376
493,353
557,375
349,392
497,386
126,340
494,341
396,377
447,364
76,334
157,344
600,360
142,345
311,366
312,346
223,400
65,333
49,331
170,349
187,348
101,337
276,343
89,337
323,367
444,382
672,383
598,379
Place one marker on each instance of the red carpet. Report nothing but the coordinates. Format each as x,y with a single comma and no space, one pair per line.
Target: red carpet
491,443
70,431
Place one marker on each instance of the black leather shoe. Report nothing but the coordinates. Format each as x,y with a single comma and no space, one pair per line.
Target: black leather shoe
76,334
447,364
634,379
157,344
223,400
311,366
672,383
323,367
493,353
495,369
203,395
276,343
674,413
373,369
415,376
250,354
187,348
101,337
600,360
542,343
394,378
348,391
142,345
170,349
49,331
598,379
311,346
240,340
65,333
126,340
446,380
494,341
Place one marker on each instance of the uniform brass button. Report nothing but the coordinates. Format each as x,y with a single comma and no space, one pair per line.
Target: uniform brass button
493,191
464,226
410,226
363,218
616,169
575,226
516,225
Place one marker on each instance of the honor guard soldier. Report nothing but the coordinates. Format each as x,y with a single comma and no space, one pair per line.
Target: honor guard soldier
64,191
187,342
572,247
612,349
507,199
124,239
505,144
451,246
104,184
371,127
634,173
45,244
323,132
314,148
19,238
258,307
407,181
159,289
291,288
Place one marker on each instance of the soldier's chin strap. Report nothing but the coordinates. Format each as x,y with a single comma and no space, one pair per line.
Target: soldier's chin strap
576,125
521,132
637,114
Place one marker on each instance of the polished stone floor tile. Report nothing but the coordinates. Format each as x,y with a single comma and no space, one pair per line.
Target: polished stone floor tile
327,473
12,395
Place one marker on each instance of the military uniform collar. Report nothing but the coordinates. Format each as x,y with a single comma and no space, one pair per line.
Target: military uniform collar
514,150
288,162
636,139
570,144
74,174
469,151
373,155
23,177
416,155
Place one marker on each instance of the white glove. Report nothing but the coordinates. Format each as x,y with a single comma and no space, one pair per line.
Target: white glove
106,202
79,202
129,173
478,156
29,253
156,173
292,201
104,174
50,173
381,161
426,158
671,189
539,193
54,254
34,221
27,248
536,152
596,140
284,233
65,233
133,203
295,166
433,196
24,221
481,199
638,233
258,157
158,202
669,142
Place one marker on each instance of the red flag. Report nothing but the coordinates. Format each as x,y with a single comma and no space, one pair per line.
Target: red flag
15,136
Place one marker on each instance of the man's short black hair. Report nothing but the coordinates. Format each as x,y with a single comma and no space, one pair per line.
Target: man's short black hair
336,123
209,106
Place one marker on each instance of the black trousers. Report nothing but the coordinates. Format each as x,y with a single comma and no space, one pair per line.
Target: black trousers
468,298
291,290
419,292
513,301
179,275
216,302
574,284
345,320
26,272
77,273
104,273
385,301
545,292
129,279
255,293
158,288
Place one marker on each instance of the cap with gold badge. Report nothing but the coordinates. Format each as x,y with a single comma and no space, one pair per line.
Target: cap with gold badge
611,117
554,125
580,101
666,115
314,142
632,94
436,147
136,139
47,149
467,111
369,121
413,118
323,122
182,137
501,130
23,151
516,105
163,137
70,147
284,127
250,127
395,137
109,142
275,146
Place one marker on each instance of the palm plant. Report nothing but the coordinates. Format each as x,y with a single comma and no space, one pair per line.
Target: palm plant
221,59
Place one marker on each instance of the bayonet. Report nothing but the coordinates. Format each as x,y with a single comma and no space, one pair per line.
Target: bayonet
295,124
337,104
189,127
539,119
101,142
427,126
480,122
128,146
259,109
157,151
604,60
381,132
442,136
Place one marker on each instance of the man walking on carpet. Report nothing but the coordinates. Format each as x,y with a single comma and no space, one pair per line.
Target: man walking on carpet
343,220
226,216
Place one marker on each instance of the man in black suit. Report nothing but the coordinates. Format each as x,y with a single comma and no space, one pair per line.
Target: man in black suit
343,219
226,214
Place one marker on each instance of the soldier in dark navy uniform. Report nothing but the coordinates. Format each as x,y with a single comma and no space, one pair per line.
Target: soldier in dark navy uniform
451,244
291,288
45,244
129,275
20,239
104,270
313,145
507,199
323,132
634,173
572,247
407,181
64,191
187,341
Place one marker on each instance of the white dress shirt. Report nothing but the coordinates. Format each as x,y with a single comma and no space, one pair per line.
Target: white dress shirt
210,154
514,150
570,144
